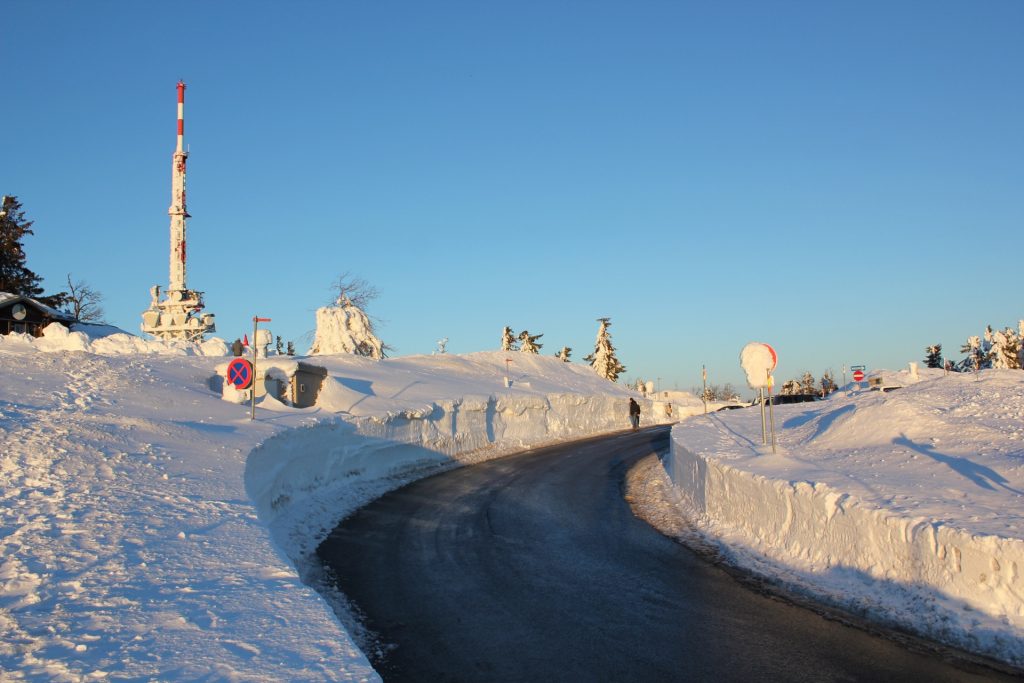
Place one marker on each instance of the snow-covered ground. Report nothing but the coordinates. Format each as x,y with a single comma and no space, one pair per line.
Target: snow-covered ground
150,531
905,506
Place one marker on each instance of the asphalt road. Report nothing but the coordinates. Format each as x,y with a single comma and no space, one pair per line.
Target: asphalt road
533,568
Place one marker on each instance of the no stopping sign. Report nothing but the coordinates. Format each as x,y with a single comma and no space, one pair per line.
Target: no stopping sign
240,373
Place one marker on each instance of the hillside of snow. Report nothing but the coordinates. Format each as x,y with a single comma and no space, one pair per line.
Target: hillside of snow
151,531
905,506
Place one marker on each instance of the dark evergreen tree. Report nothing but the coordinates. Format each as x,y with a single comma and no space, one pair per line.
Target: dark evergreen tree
933,356
15,276
280,346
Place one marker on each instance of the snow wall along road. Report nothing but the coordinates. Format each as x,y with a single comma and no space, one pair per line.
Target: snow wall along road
304,481
915,574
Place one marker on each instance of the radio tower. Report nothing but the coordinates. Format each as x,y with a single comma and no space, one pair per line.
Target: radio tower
179,315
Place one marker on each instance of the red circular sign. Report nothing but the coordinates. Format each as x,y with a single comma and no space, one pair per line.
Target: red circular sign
240,373
858,375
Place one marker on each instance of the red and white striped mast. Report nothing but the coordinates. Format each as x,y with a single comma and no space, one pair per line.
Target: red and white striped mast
179,315
177,210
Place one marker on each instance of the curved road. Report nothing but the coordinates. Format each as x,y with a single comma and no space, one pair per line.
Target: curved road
533,568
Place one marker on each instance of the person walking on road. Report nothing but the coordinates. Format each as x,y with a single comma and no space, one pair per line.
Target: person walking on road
634,414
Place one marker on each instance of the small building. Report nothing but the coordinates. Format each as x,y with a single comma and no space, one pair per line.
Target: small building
296,384
306,384
27,316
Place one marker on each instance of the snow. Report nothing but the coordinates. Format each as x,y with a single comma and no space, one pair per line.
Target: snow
904,505
151,531
757,360
345,328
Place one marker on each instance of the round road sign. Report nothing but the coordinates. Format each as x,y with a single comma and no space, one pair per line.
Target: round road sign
858,375
240,373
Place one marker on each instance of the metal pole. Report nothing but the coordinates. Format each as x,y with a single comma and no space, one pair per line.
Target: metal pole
771,408
255,322
764,434
704,396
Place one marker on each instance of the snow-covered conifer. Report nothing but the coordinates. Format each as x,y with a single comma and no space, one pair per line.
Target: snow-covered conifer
1005,351
603,358
528,343
508,339
977,352
345,328
807,384
563,355
933,356
828,383
790,387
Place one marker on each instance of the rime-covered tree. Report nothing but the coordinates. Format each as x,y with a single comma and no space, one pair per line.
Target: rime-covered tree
1005,349
15,276
791,387
977,354
354,289
508,339
933,356
528,343
563,355
345,328
807,384
603,358
828,383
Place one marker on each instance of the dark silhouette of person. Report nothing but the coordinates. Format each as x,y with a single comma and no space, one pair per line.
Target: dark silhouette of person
634,414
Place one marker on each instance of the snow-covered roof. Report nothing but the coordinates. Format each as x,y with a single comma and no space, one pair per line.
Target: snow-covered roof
8,298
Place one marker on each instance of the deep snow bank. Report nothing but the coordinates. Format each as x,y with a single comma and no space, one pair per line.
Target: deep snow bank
451,432
851,510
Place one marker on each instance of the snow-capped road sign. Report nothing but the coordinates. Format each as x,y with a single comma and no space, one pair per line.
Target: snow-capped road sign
240,373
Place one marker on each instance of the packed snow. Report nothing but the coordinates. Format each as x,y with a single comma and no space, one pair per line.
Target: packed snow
152,531
904,505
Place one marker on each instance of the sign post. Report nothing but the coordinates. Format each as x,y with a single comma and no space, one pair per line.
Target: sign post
758,361
256,320
771,407
858,374
704,396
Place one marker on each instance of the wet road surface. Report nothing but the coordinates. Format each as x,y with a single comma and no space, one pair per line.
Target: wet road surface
533,568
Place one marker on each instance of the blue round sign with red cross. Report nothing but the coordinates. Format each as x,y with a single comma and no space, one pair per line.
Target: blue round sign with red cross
240,373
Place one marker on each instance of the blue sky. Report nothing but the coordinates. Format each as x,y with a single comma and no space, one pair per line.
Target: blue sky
842,180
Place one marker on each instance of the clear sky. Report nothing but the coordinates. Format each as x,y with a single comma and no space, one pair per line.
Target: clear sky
842,180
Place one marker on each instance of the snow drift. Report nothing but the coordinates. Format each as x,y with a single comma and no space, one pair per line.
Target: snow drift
904,507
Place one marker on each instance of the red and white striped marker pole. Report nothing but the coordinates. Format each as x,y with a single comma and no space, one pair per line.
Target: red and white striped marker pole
181,114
